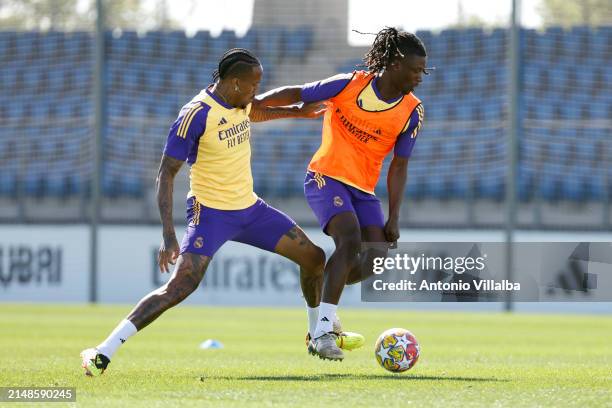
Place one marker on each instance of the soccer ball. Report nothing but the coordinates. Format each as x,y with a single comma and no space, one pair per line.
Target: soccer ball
397,350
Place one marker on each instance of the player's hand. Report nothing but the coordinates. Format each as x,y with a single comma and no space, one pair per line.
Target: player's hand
392,230
168,253
312,110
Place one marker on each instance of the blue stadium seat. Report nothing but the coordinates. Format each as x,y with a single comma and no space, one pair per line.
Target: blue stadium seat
436,187
435,112
543,111
82,77
453,78
423,150
459,186
23,44
179,79
586,150
6,46
434,52
77,183
527,41
270,42
32,77
596,185
426,36
550,181
199,43
8,182
248,41
298,42
526,182
492,110
33,183
413,188
218,45
8,77
148,46
600,109
490,183
494,44
153,79
451,149
56,184
110,183
574,189
123,47
600,45
586,80
466,42
131,183
532,76
477,76
465,112
570,111
174,47
552,39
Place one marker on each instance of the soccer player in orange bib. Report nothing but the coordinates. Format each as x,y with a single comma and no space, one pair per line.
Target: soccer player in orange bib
369,113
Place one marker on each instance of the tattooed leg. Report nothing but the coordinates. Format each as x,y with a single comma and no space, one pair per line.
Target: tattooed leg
296,246
188,274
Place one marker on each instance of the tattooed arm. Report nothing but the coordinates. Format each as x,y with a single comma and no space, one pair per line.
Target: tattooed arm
169,249
260,113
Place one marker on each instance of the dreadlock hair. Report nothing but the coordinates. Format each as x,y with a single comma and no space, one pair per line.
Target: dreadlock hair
233,62
389,45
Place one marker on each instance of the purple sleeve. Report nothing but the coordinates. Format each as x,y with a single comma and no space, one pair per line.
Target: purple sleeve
406,140
185,133
326,88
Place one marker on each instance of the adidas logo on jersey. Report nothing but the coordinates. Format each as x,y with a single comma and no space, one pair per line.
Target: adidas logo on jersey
325,319
222,122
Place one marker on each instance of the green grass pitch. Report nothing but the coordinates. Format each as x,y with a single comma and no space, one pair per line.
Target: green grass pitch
476,359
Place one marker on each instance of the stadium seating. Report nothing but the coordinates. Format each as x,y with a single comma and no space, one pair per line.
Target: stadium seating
460,153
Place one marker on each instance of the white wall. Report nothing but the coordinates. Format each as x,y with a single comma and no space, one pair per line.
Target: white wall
51,264
44,263
239,274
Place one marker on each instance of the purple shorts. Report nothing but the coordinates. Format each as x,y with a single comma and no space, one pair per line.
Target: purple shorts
259,225
328,197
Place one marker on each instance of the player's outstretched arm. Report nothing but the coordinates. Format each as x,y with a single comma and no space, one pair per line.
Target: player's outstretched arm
312,92
283,96
396,184
169,249
264,113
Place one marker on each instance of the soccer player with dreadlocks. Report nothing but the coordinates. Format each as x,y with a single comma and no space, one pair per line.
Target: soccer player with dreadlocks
212,133
369,113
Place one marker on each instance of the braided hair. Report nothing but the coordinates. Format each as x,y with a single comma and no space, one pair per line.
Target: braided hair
389,45
234,62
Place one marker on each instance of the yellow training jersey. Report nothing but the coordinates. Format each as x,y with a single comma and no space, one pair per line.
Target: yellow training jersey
214,138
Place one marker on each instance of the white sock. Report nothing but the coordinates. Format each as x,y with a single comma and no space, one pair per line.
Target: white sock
313,317
122,332
327,311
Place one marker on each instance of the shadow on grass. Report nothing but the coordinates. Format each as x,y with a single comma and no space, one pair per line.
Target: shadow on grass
328,377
